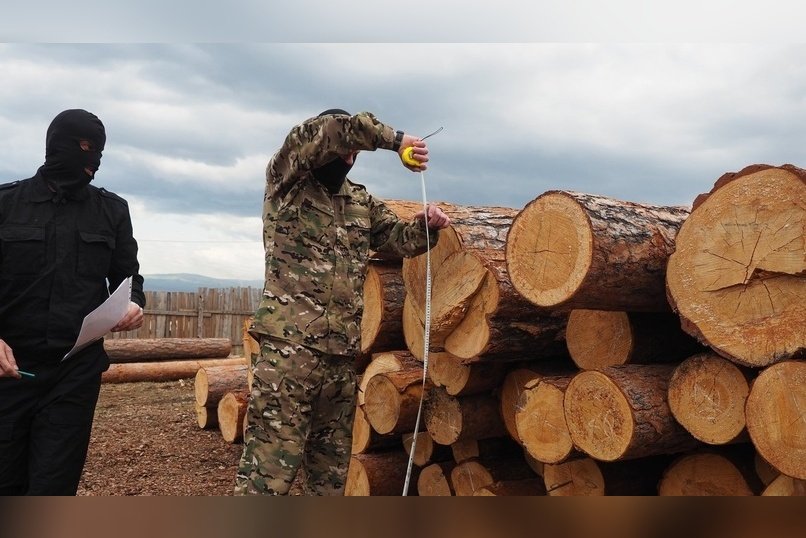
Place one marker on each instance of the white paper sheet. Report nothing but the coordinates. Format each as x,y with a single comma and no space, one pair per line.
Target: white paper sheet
101,320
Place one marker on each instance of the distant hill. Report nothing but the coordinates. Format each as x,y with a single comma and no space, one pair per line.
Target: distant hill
191,282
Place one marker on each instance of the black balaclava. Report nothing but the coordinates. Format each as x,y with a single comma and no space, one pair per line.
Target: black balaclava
333,173
65,161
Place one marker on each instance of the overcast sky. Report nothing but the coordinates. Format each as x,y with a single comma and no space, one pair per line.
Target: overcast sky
190,127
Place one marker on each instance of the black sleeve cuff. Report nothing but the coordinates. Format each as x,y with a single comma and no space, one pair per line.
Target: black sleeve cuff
398,141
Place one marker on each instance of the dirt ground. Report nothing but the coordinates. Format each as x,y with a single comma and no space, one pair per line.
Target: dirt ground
145,441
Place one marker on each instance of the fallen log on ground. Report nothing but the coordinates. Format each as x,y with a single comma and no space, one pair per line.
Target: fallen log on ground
212,382
163,371
123,350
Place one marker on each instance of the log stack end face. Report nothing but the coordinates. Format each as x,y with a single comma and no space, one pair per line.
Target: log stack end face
373,309
549,249
776,417
707,396
598,416
598,338
540,422
738,275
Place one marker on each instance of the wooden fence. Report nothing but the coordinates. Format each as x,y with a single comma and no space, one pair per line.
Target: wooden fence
207,313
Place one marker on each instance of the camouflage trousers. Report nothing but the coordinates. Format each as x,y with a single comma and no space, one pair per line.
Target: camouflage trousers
300,414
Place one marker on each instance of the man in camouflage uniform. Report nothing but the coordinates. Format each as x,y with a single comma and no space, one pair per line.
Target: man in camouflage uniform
318,230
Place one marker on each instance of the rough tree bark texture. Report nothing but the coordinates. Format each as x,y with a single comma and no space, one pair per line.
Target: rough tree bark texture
600,338
122,350
621,413
738,276
570,250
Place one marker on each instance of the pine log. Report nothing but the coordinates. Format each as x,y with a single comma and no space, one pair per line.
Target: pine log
475,310
510,396
382,322
231,415
471,475
600,338
212,382
462,379
621,412
587,477
569,250
163,371
124,350
738,276
785,486
392,401
707,396
703,474
485,449
540,420
426,451
207,417
776,416
529,487
379,474
388,361
365,439
450,419
434,480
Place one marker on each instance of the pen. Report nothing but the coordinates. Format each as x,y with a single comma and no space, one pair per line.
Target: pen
28,374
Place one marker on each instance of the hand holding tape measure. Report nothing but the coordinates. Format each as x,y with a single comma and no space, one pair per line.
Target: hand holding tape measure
414,153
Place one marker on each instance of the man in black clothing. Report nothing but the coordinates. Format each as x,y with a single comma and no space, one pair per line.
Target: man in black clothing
64,245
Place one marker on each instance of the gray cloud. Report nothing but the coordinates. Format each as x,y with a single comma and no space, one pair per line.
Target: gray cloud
191,127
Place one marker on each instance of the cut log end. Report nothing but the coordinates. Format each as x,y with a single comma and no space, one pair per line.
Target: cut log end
598,338
737,275
541,426
231,413
549,249
574,478
703,475
707,396
373,309
776,417
598,416
382,404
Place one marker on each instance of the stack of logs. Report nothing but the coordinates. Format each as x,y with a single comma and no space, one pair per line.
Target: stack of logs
588,346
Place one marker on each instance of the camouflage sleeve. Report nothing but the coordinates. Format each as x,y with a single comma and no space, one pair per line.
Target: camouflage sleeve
319,140
393,237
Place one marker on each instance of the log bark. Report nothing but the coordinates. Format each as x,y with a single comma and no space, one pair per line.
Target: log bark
738,276
569,250
703,474
485,449
382,322
392,401
434,480
462,379
426,451
600,338
379,474
621,412
212,382
776,416
207,417
469,476
365,439
389,361
474,306
588,477
123,350
163,371
530,487
540,420
707,395
450,419
231,415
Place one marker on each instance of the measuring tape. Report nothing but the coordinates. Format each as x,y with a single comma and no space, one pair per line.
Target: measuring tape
408,157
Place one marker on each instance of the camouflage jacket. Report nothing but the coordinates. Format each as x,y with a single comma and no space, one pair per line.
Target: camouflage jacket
317,245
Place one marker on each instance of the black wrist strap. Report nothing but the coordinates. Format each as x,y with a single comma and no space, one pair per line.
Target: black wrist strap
398,140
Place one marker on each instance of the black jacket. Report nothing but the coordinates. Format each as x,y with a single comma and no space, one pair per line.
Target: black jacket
59,259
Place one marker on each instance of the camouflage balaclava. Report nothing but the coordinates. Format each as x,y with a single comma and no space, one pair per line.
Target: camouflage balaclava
65,161
333,173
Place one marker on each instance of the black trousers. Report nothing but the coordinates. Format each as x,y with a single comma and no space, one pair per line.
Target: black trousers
45,424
